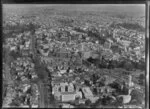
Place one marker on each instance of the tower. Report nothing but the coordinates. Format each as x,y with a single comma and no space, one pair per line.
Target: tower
130,80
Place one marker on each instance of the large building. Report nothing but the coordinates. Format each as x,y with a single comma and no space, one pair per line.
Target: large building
68,96
87,92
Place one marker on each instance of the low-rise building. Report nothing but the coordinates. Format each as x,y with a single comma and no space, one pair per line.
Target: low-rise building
68,96
67,106
87,92
70,87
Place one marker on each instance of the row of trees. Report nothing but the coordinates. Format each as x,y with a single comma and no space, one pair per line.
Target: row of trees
126,64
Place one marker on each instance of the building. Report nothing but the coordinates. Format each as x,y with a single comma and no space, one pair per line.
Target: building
13,48
94,99
70,87
64,86
87,92
44,52
82,101
109,80
107,44
106,89
68,96
64,105
130,83
64,90
79,94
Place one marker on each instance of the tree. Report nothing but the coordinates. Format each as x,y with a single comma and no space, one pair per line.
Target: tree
137,97
15,101
88,102
40,69
14,54
94,78
141,76
95,91
128,65
141,79
97,103
116,86
87,82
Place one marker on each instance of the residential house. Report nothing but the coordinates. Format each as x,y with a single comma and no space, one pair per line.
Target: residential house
27,44
106,89
26,87
13,48
107,44
109,80
82,101
57,93
23,78
25,52
44,52
94,99
125,44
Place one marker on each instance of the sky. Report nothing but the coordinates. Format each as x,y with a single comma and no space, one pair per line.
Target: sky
138,9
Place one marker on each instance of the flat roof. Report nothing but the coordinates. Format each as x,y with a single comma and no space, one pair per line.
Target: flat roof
68,93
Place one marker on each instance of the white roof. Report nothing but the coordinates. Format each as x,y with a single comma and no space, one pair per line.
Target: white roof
87,91
62,71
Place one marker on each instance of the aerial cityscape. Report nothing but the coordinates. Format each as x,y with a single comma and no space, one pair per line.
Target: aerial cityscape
73,56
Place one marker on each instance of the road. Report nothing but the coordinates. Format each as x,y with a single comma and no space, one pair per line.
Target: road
7,67
44,101
7,75
43,97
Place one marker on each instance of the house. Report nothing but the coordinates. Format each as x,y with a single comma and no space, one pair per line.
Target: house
25,52
26,87
106,89
58,96
62,71
44,52
107,44
13,48
82,101
55,89
21,47
23,78
93,99
109,80
21,73
87,55
34,76
18,68
27,45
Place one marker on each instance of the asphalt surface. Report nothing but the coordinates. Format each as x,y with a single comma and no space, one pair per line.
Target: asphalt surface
7,68
43,97
44,101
